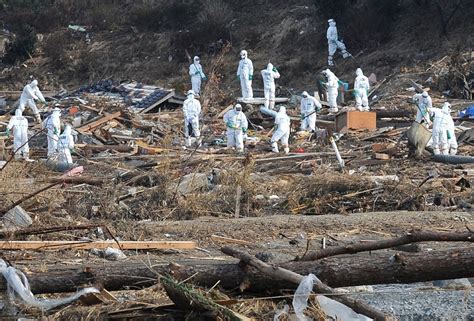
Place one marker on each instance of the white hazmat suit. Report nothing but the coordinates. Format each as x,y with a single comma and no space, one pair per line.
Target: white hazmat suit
332,90
65,144
191,111
334,43
444,139
245,74
309,105
269,75
424,106
282,132
197,75
237,124
361,89
19,124
28,96
53,124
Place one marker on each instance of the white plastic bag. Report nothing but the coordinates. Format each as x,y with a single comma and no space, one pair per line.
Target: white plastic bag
17,283
339,311
300,300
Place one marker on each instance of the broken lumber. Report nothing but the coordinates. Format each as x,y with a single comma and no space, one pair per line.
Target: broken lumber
223,239
411,237
377,268
46,230
77,180
295,278
87,245
98,122
119,148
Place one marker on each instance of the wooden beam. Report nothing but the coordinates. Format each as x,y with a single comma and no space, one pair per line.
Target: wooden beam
171,94
86,245
223,239
99,122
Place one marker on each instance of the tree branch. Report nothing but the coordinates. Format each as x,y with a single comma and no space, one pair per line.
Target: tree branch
411,237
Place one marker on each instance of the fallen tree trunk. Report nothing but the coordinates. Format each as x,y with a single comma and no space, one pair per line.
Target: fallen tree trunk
413,237
77,180
380,268
453,159
295,278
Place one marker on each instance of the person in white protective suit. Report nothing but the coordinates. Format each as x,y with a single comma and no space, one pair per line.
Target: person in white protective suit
19,124
53,124
269,75
191,111
237,125
332,90
334,43
282,132
245,74
444,139
197,75
65,145
28,96
424,106
309,106
361,90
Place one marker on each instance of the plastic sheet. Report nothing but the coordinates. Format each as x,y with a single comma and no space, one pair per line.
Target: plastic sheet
300,300
17,284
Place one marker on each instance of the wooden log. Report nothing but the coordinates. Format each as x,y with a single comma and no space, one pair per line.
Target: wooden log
412,237
101,148
378,268
279,273
87,245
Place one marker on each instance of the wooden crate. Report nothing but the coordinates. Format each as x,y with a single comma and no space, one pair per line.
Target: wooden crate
356,120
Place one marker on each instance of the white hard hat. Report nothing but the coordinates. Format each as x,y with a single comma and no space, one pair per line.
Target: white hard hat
196,58
190,92
243,52
238,106
305,94
425,94
331,20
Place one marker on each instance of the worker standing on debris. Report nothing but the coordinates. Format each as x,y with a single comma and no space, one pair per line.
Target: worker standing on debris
309,106
19,124
65,145
282,131
245,74
332,90
361,91
424,107
321,81
53,124
197,75
28,96
269,75
444,140
191,111
334,43
237,124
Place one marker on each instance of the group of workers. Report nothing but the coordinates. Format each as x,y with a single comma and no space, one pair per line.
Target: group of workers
236,121
443,139
59,145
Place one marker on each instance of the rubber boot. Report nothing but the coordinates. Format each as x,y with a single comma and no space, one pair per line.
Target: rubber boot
275,147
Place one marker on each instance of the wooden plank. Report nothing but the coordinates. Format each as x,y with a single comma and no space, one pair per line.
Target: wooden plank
85,245
223,239
99,122
221,114
171,94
